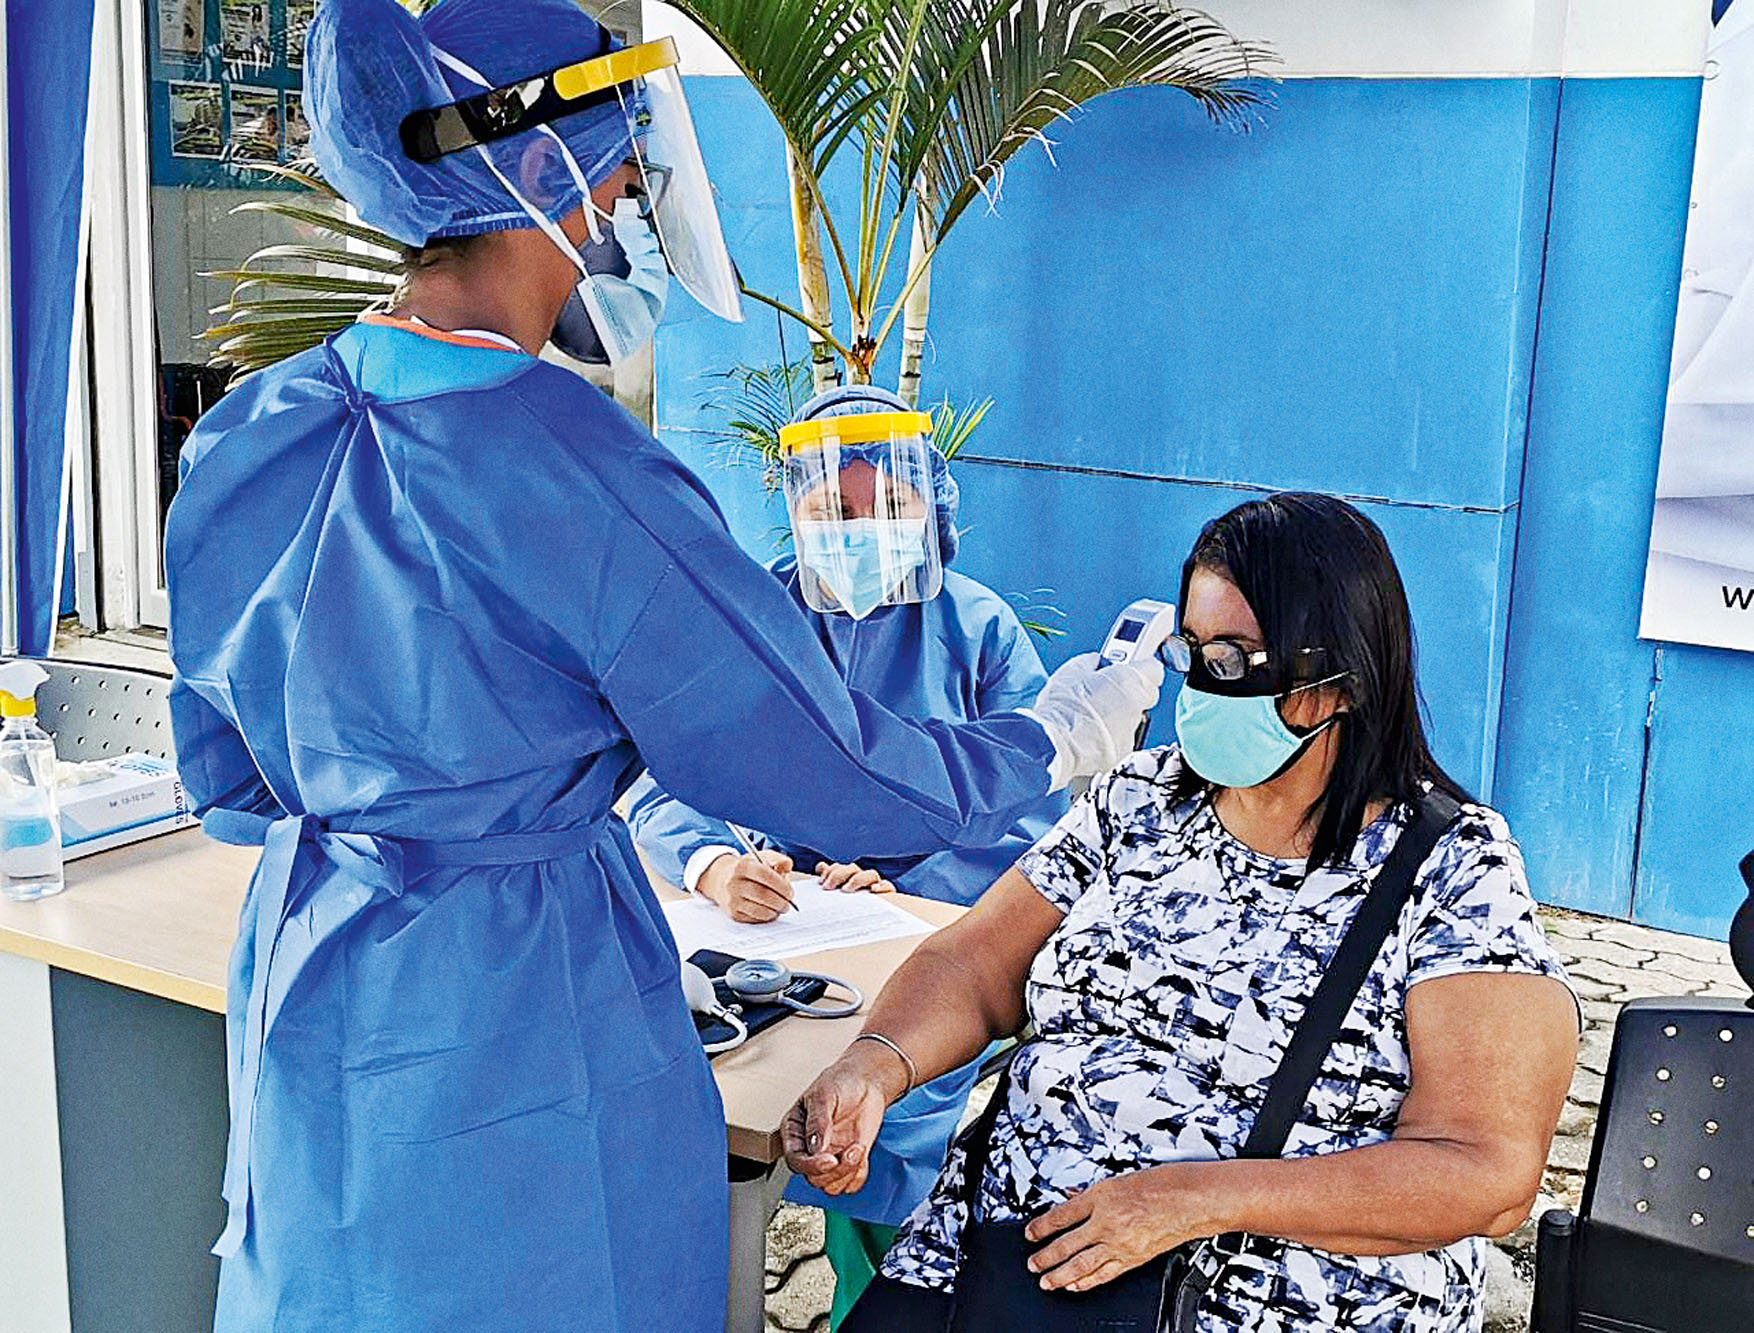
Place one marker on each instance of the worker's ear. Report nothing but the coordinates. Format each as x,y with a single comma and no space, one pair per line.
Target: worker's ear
541,156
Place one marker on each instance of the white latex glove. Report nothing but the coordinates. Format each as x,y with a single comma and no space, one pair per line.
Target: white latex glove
1093,715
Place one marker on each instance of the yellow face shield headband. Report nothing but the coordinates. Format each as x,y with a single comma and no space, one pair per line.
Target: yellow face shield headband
862,428
513,108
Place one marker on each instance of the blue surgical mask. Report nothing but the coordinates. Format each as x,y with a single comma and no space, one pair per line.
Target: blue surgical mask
1236,740
861,560
615,309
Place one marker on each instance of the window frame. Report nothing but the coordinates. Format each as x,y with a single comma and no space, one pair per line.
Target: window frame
116,523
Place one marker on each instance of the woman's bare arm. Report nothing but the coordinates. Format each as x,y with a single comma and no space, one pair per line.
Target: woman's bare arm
961,988
1492,1057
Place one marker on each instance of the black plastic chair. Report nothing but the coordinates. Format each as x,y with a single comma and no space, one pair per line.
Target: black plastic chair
1664,1242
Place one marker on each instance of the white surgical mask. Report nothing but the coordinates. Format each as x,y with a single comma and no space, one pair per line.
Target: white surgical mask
626,311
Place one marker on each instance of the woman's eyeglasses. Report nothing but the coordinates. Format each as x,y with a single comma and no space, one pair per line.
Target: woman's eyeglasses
1223,659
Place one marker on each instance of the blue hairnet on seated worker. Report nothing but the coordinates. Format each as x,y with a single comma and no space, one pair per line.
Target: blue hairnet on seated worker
369,64
854,399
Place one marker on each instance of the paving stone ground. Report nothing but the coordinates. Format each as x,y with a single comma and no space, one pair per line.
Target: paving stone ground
1610,962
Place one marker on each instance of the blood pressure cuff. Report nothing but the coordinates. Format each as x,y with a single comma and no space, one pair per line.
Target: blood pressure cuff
756,1017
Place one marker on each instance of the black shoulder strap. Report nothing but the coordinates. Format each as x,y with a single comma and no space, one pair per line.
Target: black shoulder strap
977,1139
1309,1046
1344,977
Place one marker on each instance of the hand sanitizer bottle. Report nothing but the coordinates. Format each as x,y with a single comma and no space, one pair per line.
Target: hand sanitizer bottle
30,818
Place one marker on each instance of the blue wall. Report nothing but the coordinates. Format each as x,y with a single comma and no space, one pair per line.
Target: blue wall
1448,299
1578,679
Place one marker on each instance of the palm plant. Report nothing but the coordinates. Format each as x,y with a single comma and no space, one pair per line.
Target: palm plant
936,97
290,297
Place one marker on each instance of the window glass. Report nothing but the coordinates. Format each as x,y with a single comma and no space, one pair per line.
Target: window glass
224,103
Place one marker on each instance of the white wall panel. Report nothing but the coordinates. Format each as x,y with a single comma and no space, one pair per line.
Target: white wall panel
33,1236
1383,39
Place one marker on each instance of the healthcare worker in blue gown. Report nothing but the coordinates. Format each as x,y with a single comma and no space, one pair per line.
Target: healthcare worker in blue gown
926,641
434,604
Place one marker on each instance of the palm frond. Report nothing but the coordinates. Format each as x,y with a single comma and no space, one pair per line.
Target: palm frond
255,328
758,401
255,351
319,254
1041,629
803,57
332,223
358,269
266,307
951,428
939,95
1037,613
992,76
302,172
252,279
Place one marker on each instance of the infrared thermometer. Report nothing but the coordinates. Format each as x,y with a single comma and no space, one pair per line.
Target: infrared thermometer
1139,632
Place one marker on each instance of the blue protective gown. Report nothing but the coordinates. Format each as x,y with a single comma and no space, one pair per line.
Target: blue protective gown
960,656
432,608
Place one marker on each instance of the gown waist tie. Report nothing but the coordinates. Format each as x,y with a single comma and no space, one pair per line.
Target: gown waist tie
376,866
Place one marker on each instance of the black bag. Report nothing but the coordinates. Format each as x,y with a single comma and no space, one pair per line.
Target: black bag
756,1017
996,1293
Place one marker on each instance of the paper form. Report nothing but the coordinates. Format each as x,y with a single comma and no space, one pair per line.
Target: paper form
820,919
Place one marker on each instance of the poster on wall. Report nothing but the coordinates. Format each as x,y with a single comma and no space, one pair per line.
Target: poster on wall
245,25
255,126
197,120
182,25
298,129
299,14
1699,582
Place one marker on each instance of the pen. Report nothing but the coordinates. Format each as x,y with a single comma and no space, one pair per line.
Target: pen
748,843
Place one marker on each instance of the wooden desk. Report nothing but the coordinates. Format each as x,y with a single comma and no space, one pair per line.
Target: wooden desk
112,1089
157,916
160,916
761,1081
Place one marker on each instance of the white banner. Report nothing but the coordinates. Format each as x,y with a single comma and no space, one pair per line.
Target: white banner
1699,585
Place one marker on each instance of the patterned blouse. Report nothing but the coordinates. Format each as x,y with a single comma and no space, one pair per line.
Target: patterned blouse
1164,1002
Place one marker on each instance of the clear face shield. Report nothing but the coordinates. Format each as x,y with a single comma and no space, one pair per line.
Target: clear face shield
680,198
860,493
668,222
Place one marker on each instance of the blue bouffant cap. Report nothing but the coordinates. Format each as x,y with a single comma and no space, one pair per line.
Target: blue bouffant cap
369,64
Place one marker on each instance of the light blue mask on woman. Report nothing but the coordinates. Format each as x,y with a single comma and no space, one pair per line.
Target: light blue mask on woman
1239,740
861,560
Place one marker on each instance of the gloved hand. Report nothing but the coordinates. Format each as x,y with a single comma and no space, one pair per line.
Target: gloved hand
1093,715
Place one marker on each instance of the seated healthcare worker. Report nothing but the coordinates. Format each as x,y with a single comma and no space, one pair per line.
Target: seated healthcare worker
873,509
434,604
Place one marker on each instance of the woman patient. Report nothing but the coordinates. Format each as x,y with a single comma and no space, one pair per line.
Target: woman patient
873,511
1163,941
